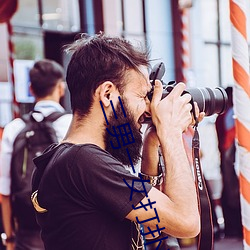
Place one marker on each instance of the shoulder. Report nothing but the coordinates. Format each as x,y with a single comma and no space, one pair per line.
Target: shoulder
98,161
63,120
91,152
61,125
12,129
66,117
18,122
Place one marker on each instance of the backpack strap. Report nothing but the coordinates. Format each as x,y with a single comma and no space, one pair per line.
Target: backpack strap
51,118
54,116
44,123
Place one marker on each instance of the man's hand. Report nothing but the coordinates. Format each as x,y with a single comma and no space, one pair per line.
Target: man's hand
172,114
177,203
199,115
7,220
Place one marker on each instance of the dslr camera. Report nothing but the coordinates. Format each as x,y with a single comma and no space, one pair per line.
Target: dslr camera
210,101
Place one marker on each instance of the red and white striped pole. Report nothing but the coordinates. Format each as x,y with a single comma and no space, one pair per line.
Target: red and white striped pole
241,95
185,55
185,65
15,106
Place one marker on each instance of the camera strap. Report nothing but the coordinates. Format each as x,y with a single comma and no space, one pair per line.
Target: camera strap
205,238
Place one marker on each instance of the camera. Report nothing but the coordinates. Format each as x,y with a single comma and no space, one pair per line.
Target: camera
210,101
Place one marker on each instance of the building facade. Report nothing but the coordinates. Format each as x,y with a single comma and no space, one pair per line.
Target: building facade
194,42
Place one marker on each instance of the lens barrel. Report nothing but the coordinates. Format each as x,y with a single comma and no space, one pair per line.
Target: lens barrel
210,101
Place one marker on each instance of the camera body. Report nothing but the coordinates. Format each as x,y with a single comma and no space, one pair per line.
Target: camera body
210,101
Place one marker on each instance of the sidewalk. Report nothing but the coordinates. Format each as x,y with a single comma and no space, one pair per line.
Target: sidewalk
223,244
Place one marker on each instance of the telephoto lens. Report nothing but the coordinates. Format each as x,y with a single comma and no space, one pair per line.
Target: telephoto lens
210,101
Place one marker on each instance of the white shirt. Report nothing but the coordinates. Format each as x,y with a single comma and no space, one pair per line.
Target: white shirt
210,160
11,131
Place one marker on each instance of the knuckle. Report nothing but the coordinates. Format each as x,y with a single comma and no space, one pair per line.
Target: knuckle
189,106
188,97
181,84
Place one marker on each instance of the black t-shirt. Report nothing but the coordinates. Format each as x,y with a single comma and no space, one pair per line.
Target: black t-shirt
87,200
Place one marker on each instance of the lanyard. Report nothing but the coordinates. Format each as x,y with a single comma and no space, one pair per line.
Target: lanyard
205,238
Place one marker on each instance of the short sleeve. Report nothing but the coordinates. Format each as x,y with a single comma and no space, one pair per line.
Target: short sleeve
109,185
10,133
61,126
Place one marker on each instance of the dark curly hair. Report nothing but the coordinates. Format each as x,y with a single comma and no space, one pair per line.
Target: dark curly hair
96,59
44,76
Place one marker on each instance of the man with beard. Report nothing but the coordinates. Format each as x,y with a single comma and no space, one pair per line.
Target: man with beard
83,195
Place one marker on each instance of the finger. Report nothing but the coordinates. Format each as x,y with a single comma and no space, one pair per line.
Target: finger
188,107
178,90
186,97
196,109
199,115
157,95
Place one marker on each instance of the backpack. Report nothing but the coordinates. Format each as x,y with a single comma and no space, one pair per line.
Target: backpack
37,135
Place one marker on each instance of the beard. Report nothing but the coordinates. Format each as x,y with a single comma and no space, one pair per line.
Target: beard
115,143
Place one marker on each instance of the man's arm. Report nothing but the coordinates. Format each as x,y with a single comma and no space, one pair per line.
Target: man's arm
9,134
7,220
177,205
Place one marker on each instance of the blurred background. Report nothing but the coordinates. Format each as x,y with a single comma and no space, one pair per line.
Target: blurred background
192,38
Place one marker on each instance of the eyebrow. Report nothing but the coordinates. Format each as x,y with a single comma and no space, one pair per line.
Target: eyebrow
148,86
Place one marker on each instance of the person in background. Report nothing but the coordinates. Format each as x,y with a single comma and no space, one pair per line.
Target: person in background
225,125
47,86
210,162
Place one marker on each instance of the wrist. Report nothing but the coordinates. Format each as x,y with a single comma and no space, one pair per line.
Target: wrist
154,180
166,133
171,141
7,239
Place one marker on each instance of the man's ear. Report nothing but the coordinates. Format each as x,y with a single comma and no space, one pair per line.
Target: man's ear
31,90
62,88
106,91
